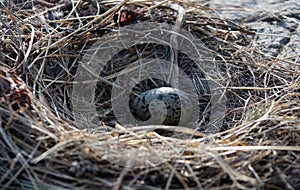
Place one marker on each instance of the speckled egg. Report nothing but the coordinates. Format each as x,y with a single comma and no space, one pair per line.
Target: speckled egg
164,105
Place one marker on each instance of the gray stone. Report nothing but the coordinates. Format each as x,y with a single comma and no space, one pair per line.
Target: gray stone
276,23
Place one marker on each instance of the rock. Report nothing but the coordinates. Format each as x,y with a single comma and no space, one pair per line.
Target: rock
276,23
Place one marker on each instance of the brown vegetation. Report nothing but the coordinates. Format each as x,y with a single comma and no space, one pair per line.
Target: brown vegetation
42,147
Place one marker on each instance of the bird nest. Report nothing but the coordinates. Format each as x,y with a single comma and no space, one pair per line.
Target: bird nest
45,144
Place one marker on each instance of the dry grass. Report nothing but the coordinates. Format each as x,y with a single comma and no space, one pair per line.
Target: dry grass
43,148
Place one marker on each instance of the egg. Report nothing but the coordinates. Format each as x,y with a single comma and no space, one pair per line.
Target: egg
163,106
